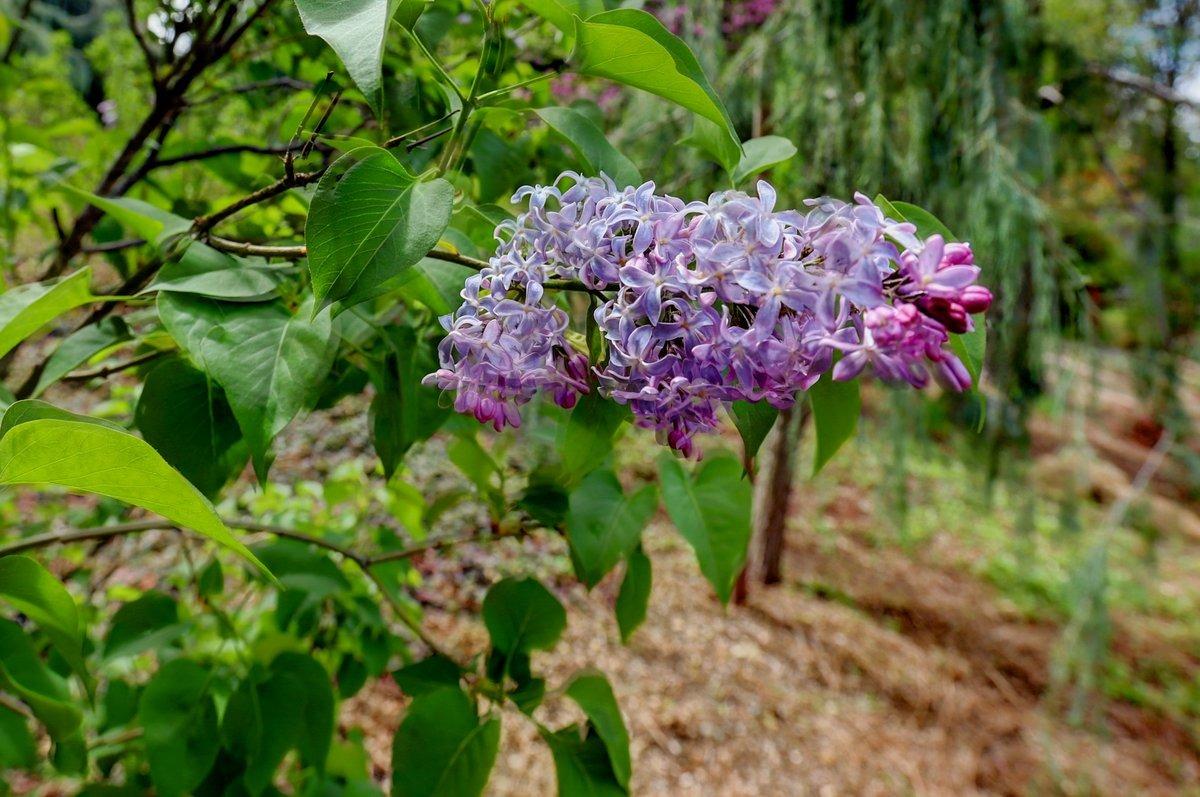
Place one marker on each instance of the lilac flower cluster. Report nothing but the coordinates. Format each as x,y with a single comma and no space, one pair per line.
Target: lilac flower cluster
705,303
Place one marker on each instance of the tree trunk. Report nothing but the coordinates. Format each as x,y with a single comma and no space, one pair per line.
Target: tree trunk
788,434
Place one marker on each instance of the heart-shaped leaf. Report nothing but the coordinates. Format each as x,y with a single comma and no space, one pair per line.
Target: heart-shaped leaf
270,362
369,222
711,509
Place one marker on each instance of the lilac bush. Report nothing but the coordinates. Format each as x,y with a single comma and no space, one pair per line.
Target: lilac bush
704,303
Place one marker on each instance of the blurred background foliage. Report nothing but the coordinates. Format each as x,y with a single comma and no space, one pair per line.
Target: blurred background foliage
1061,137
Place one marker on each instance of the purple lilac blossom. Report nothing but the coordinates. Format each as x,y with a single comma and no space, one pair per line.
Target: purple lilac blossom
705,303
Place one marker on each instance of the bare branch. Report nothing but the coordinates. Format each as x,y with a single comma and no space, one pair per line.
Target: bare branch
1129,79
140,37
109,370
205,223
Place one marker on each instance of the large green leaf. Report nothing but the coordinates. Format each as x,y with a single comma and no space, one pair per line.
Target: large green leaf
760,154
753,420
270,362
25,675
594,695
632,47
835,409
204,271
184,415
521,615
292,709
37,594
27,308
581,763
79,347
589,142
43,448
971,347
156,225
634,595
147,623
586,439
604,525
179,719
436,284
369,221
443,748
711,509
404,411
18,748
561,13
357,32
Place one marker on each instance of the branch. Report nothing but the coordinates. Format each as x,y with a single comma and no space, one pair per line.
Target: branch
230,149
1132,80
364,562
116,368
258,85
205,223
140,38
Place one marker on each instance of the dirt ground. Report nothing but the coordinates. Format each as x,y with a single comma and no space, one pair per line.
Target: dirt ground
869,671
926,687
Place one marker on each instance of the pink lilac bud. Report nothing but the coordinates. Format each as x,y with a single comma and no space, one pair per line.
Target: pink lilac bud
707,303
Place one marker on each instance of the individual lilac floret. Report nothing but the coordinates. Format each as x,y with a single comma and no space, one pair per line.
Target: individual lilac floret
706,303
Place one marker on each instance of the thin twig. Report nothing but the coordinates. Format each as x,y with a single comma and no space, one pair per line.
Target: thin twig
206,223
116,368
230,149
364,562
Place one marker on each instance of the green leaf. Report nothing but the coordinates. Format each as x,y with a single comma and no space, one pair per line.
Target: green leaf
271,363
835,409
147,623
33,591
632,47
18,749
604,525
141,218
521,615
582,764
634,596
713,140
971,347
357,32
179,718
44,448
295,711
428,675
27,308
205,271
79,347
370,221
443,748
561,13
303,567
317,714
927,223
404,411
586,439
711,509
592,692
23,674
589,143
435,284
760,154
185,416
753,420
